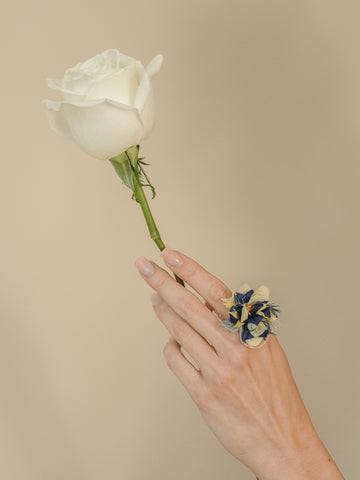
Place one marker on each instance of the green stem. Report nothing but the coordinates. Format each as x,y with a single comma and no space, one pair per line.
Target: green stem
153,230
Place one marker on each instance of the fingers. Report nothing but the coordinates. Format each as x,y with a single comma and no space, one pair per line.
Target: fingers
194,344
183,370
208,286
187,306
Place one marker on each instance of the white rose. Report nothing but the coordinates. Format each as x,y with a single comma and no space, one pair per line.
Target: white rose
108,103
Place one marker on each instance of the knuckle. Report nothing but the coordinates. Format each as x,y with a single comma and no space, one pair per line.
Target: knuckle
224,377
187,306
169,357
205,400
190,268
171,362
166,349
160,278
238,357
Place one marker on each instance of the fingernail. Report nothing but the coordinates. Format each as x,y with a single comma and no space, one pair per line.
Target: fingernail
172,258
145,267
156,299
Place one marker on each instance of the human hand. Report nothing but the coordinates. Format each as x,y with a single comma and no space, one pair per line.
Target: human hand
248,397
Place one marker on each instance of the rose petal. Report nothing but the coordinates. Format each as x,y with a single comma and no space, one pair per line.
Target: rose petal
56,121
67,95
104,128
154,65
142,92
121,86
125,60
145,103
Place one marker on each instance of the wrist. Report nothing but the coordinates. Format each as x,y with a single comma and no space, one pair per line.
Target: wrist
315,459
304,458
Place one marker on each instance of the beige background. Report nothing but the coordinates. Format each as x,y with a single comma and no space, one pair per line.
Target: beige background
256,161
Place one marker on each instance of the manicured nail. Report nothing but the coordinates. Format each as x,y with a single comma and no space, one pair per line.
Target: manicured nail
145,267
172,258
156,299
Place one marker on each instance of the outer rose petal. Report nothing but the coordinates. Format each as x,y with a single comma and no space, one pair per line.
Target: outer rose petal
56,121
145,103
142,92
104,128
148,114
67,95
154,65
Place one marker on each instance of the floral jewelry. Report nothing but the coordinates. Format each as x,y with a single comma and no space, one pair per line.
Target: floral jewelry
252,315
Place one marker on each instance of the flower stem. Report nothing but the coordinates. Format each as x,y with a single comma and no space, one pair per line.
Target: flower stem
140,197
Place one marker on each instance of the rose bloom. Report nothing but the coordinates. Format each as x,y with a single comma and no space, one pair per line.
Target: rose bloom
107,103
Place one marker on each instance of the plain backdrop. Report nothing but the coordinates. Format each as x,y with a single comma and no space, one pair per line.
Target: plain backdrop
255,158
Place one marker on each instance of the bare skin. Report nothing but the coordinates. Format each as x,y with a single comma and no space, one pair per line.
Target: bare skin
248,397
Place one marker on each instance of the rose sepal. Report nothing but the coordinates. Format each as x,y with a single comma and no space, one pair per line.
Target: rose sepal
127,165
121,164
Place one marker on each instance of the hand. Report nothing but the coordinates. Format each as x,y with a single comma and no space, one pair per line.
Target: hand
248,397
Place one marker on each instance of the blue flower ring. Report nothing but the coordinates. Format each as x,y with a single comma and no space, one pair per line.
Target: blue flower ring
252,315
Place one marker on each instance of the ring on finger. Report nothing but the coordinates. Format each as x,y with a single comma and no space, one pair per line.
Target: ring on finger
251,315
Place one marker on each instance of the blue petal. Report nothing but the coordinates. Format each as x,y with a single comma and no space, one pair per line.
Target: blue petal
246,334
256,307
255,319
238,309
243,297
238,297
232,319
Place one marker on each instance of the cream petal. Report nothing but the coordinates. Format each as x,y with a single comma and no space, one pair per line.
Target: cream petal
154,65
262,294
274,322
244,288
254,342
229,302
104,128
259,329
56,121
244,314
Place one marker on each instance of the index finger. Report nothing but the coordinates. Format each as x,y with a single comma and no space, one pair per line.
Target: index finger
207,285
